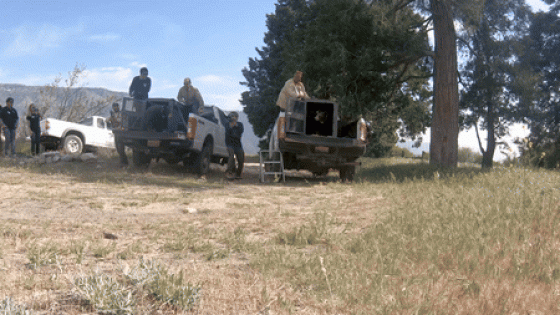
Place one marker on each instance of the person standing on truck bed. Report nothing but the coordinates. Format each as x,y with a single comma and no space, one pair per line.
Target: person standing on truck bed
141,85
10,121
293,88
190,96
234,131
116,122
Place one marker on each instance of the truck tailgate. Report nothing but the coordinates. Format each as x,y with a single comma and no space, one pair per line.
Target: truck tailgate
308,144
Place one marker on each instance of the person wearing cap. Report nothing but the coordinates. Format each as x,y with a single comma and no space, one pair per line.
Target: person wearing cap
10,121
116,122
293,89
190,96
140,86
34,118
234,131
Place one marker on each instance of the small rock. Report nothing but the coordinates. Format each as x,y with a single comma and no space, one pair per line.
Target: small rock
109,236
88,157
192,210
67,158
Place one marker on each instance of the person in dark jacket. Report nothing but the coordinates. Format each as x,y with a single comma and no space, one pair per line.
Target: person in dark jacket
234,131
140,86
10,121
34,118
1,133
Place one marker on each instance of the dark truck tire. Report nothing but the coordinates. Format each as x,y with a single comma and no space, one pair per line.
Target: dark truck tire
140,159
200,163
320,172
347,173
172,160
73,144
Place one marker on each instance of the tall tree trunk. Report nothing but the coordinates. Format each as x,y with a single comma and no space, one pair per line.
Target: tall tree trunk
488,154
444,144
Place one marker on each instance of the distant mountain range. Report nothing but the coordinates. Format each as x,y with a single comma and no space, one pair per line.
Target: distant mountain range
24,95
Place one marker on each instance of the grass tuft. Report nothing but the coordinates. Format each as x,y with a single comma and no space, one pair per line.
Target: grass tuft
8,307
105,294
166,287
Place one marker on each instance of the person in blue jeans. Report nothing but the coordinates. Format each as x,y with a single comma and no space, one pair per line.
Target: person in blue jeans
10,121
234,131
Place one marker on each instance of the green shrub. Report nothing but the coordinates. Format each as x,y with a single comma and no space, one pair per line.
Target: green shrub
106,294
42,255
468,155
400,152
166,287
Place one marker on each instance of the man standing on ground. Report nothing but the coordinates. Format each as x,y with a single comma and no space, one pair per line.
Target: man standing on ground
10,120
34,118
234,131
190,96
1,133
116,123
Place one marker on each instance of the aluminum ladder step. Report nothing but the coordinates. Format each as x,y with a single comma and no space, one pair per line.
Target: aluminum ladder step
273,158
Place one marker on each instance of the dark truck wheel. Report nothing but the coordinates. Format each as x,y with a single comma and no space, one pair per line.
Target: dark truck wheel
73,144
140,159
347,173
172,160
200,163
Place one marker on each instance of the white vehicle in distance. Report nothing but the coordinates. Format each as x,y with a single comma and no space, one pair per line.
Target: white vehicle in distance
76,138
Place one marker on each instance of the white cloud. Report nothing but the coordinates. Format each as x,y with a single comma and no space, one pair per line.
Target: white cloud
138,65
213,79
104,38
538,5
34,41
227,102
36,80
112,78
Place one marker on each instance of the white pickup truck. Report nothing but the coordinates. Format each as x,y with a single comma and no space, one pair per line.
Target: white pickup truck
167,129
76,138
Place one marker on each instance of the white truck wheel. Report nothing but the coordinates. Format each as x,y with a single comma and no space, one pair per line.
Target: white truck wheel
73,144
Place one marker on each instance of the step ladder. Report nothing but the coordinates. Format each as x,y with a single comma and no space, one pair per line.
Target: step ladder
271,160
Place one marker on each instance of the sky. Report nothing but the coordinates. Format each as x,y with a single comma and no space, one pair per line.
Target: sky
209,41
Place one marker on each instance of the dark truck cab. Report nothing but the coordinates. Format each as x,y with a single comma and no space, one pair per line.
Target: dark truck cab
311,136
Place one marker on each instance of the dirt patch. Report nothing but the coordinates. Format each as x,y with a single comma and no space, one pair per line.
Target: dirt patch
163,213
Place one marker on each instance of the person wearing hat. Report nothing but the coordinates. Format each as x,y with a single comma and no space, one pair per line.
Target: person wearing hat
140,86
34,118
10,121
116,122
190,96
234,131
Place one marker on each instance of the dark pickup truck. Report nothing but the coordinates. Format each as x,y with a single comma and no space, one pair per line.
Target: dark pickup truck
167,129
311,136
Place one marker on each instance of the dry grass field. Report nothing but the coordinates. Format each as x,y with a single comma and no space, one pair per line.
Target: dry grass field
67,211
309,246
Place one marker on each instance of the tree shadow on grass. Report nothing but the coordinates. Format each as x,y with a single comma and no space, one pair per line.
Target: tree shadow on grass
160,173
384,172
